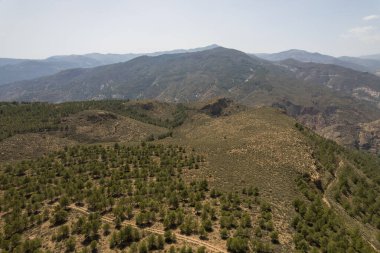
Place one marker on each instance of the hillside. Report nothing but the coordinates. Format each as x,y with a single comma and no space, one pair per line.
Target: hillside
168,77
330,99
341,120
361,85
239,180
48,127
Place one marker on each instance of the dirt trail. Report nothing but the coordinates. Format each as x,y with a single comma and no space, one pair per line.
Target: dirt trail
331,184
352,220
115,127
198,242
324,199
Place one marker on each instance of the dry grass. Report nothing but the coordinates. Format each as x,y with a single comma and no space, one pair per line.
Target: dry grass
32,145
84,127
258,147
102,126
255,147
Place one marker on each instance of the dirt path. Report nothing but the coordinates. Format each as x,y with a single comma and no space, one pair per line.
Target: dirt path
324,199
115,127
369,237
331,184
181,237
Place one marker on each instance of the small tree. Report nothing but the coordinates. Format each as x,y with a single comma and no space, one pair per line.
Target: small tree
202,233
64,201
224,234
59,217
133,248
172,249
63,233
106,229
160,242
152,242
201,249
169,236
274,236
237,245
143,248
70,245
93,246
207,225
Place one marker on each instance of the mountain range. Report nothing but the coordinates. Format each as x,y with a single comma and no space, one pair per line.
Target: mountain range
370,63
210,147
12,70
338,102
274,185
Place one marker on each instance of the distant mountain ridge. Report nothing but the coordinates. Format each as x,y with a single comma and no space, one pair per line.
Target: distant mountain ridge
372,57
13,70
362,85
10,61
364,64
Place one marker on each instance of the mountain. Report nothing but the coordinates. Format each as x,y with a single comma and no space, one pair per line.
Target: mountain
299,55
330,99
371,65
361,85
201,75
172,77
372,57
10,61
356,63
12,70
305,56
342,122
31,69
215,175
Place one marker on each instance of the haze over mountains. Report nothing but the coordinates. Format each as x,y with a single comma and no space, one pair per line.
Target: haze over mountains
370,63
12,70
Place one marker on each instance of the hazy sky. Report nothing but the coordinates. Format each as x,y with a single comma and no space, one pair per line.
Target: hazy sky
41,28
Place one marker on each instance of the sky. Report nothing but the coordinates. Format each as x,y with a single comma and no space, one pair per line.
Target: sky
42,28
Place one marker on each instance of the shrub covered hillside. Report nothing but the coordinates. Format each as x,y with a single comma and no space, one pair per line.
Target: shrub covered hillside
349,184
94,198
16,118
319,228
145,176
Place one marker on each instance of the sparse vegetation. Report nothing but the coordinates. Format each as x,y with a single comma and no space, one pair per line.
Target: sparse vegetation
319,228
357,181
18,118
151,197
142,184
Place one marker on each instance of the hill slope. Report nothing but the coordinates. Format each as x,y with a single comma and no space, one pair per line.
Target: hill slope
243,180
361,85
332,100
165,77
